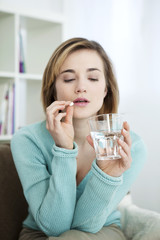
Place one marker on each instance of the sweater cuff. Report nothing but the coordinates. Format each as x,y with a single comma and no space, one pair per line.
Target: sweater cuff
116,181
62,152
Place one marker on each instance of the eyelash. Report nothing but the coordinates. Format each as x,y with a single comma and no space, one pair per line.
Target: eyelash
70,80
93,79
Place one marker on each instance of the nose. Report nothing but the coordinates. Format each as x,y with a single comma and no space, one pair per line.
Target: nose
80,90
81,87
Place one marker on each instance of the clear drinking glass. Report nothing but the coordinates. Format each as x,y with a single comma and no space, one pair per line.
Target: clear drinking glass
105,130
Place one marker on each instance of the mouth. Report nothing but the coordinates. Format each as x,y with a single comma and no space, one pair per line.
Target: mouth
81,101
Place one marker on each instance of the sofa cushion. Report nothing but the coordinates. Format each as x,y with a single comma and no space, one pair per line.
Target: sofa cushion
13,207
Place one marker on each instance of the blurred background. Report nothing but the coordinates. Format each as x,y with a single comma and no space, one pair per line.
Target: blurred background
129,31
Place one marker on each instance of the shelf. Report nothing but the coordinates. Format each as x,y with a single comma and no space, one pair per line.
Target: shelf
7,74
40,38
28,76
41,15
28,39
56,18
30,107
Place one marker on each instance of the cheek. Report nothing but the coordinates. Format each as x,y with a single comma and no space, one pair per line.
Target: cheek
98,99
99,96
62,94
101,92
59,91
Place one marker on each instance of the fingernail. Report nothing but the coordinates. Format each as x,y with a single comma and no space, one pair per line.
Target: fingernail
124,130
120,140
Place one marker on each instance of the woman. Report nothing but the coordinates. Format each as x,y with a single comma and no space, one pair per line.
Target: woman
70,194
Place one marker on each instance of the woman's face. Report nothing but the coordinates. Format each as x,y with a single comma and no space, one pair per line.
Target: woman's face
82,81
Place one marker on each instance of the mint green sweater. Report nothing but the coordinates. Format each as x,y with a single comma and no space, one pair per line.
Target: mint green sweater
48,177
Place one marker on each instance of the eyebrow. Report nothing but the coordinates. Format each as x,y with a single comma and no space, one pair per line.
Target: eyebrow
73,71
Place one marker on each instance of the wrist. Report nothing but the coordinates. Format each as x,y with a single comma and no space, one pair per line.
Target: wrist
63,152
67,147
109,169
102,176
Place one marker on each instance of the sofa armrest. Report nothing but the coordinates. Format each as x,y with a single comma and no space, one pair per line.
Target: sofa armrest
138,223
13,207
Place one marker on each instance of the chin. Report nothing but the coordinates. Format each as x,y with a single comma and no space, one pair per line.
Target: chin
84,114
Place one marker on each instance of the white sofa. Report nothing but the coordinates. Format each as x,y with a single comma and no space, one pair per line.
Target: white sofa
138,223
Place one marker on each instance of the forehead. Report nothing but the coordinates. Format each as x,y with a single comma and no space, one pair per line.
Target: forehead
83,58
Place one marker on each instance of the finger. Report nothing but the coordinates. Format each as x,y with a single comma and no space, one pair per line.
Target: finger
55,103
51,114
127,137
126,134
124,146
50,122
69,115
126,126
123,154
68,103
90,141
47,124
57,120
124,158
54,109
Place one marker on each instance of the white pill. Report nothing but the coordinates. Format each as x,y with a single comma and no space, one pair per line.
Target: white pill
71,104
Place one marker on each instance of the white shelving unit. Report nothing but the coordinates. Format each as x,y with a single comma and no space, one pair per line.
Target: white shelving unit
41,35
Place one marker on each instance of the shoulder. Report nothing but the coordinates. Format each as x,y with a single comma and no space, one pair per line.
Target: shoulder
136,140
35,133
35,127
27,131
32,143
135,137
138,149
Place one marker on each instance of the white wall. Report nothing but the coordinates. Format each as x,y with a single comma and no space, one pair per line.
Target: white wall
129,30
34,6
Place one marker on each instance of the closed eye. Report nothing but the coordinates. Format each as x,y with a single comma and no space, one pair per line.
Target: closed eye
93,79
69,80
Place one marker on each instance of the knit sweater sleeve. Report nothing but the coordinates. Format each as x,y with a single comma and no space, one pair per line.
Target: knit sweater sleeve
103,193
51,197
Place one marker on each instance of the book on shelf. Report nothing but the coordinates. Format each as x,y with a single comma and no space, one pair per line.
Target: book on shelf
7,104
22,67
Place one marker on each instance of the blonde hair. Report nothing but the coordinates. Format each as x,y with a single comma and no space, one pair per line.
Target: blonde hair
52,70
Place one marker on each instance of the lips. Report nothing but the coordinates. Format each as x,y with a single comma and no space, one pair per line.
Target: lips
81,102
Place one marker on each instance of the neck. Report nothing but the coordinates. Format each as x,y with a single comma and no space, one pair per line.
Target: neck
81,131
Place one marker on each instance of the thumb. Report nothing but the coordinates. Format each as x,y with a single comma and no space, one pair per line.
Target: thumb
69,115
90,141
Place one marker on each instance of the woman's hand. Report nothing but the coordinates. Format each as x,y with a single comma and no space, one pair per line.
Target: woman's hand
61,131
116,168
